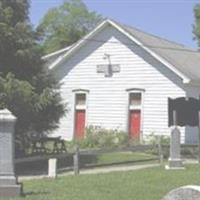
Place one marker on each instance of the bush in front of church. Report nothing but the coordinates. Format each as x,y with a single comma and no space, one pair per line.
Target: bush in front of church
98,137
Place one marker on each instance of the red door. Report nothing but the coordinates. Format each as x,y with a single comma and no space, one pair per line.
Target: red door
79,124
134,124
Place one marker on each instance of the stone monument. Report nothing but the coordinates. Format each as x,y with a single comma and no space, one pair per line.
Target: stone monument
190,192
8,182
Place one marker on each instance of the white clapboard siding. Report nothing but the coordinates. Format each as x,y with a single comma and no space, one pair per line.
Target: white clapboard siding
107,100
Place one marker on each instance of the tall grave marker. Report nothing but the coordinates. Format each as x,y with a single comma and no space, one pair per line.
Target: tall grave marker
8,182
174,161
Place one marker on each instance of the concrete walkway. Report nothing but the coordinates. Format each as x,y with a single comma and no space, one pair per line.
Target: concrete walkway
97,170
117,168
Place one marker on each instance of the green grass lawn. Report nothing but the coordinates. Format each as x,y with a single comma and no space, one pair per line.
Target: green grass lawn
120,157
145,184
117,158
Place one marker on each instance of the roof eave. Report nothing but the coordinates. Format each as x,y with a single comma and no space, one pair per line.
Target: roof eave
79,44
194,83
45,57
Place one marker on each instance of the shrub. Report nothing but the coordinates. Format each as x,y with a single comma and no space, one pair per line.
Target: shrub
163,140
154,139
96,137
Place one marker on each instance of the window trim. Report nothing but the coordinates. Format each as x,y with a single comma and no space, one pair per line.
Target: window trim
80,107
80,90
135,107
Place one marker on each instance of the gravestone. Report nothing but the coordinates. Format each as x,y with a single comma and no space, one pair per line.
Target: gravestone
52,172
8,181
175,161
190,192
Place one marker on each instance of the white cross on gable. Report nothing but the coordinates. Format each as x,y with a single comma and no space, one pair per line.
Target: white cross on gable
108,70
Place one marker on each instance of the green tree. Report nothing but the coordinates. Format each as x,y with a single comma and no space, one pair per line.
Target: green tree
196,27
26,87
64,25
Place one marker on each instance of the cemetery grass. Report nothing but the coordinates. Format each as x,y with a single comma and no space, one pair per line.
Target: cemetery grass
122,157
144,184
125,156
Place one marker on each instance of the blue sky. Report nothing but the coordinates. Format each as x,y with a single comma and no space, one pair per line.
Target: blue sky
171,19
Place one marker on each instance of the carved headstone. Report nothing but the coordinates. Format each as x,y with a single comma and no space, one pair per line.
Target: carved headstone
190,192
8,181
175,161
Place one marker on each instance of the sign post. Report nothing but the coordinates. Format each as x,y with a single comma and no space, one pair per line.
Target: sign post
199,138
188,110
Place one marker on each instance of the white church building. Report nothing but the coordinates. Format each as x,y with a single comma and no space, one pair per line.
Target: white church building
118,77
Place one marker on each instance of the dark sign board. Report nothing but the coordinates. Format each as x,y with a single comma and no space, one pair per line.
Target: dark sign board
186,111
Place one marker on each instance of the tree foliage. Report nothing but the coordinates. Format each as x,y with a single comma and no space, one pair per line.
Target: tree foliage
64,25
26,87
196,27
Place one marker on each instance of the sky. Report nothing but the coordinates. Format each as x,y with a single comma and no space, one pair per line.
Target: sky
170,19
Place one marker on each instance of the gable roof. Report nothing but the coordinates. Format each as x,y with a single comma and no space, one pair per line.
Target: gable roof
181,60
184,59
